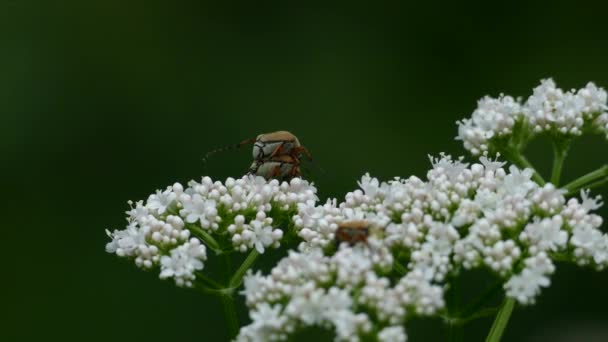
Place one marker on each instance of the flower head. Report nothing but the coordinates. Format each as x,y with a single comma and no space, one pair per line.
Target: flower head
503,121
463,216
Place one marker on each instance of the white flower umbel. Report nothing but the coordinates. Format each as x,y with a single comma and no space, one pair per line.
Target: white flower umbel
183,261
497,124
310,289
173,226
493,118
421,234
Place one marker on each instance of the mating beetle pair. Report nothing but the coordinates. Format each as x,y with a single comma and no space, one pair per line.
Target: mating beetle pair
276,155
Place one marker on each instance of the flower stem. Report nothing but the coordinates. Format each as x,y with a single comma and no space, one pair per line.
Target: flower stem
501,321
206,237
479,314
456,330
560,150
237,278
208,281
229,309
597,178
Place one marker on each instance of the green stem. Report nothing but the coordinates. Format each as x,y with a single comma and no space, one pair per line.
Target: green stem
597,177
518,159
456,330
560,150
480,314
208,281
237,278
206,237
501,321
229,309
455,333
206,290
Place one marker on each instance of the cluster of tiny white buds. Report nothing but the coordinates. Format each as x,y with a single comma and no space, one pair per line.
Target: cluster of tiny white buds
258,233
166,229
548,109
463,216
183,261
492,118
311,289
526,285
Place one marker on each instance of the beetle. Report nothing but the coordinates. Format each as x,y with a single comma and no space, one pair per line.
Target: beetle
269,145
352,232
276,155
283,167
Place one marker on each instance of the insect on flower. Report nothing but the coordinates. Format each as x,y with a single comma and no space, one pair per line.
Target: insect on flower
352,232
279,143
279,167
276,155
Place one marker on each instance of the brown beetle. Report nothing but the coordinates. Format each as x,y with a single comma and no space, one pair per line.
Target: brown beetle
278,167
352,232
276,155
269,145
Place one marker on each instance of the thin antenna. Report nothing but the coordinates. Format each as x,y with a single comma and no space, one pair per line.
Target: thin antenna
226,148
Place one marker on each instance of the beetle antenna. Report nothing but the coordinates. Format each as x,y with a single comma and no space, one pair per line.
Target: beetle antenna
317,166
226,148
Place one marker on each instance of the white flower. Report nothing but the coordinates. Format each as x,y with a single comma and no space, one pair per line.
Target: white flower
518,182
348,324
138,212
594,98
462,217
369,185
125,242
160,201
267,316
589,242
392,334
525,286
200,210
545,235
182,262
489,164
267,324
501,121
589,203
351,265
262,236
492,118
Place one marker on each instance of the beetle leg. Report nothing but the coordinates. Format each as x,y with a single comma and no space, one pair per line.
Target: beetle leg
301,149
295,171
276,171
277,151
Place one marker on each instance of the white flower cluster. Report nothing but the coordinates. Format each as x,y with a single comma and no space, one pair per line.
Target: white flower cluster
549,109
464,216
166,229
308,289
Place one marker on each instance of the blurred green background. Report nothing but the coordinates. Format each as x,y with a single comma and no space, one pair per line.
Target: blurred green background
106,101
